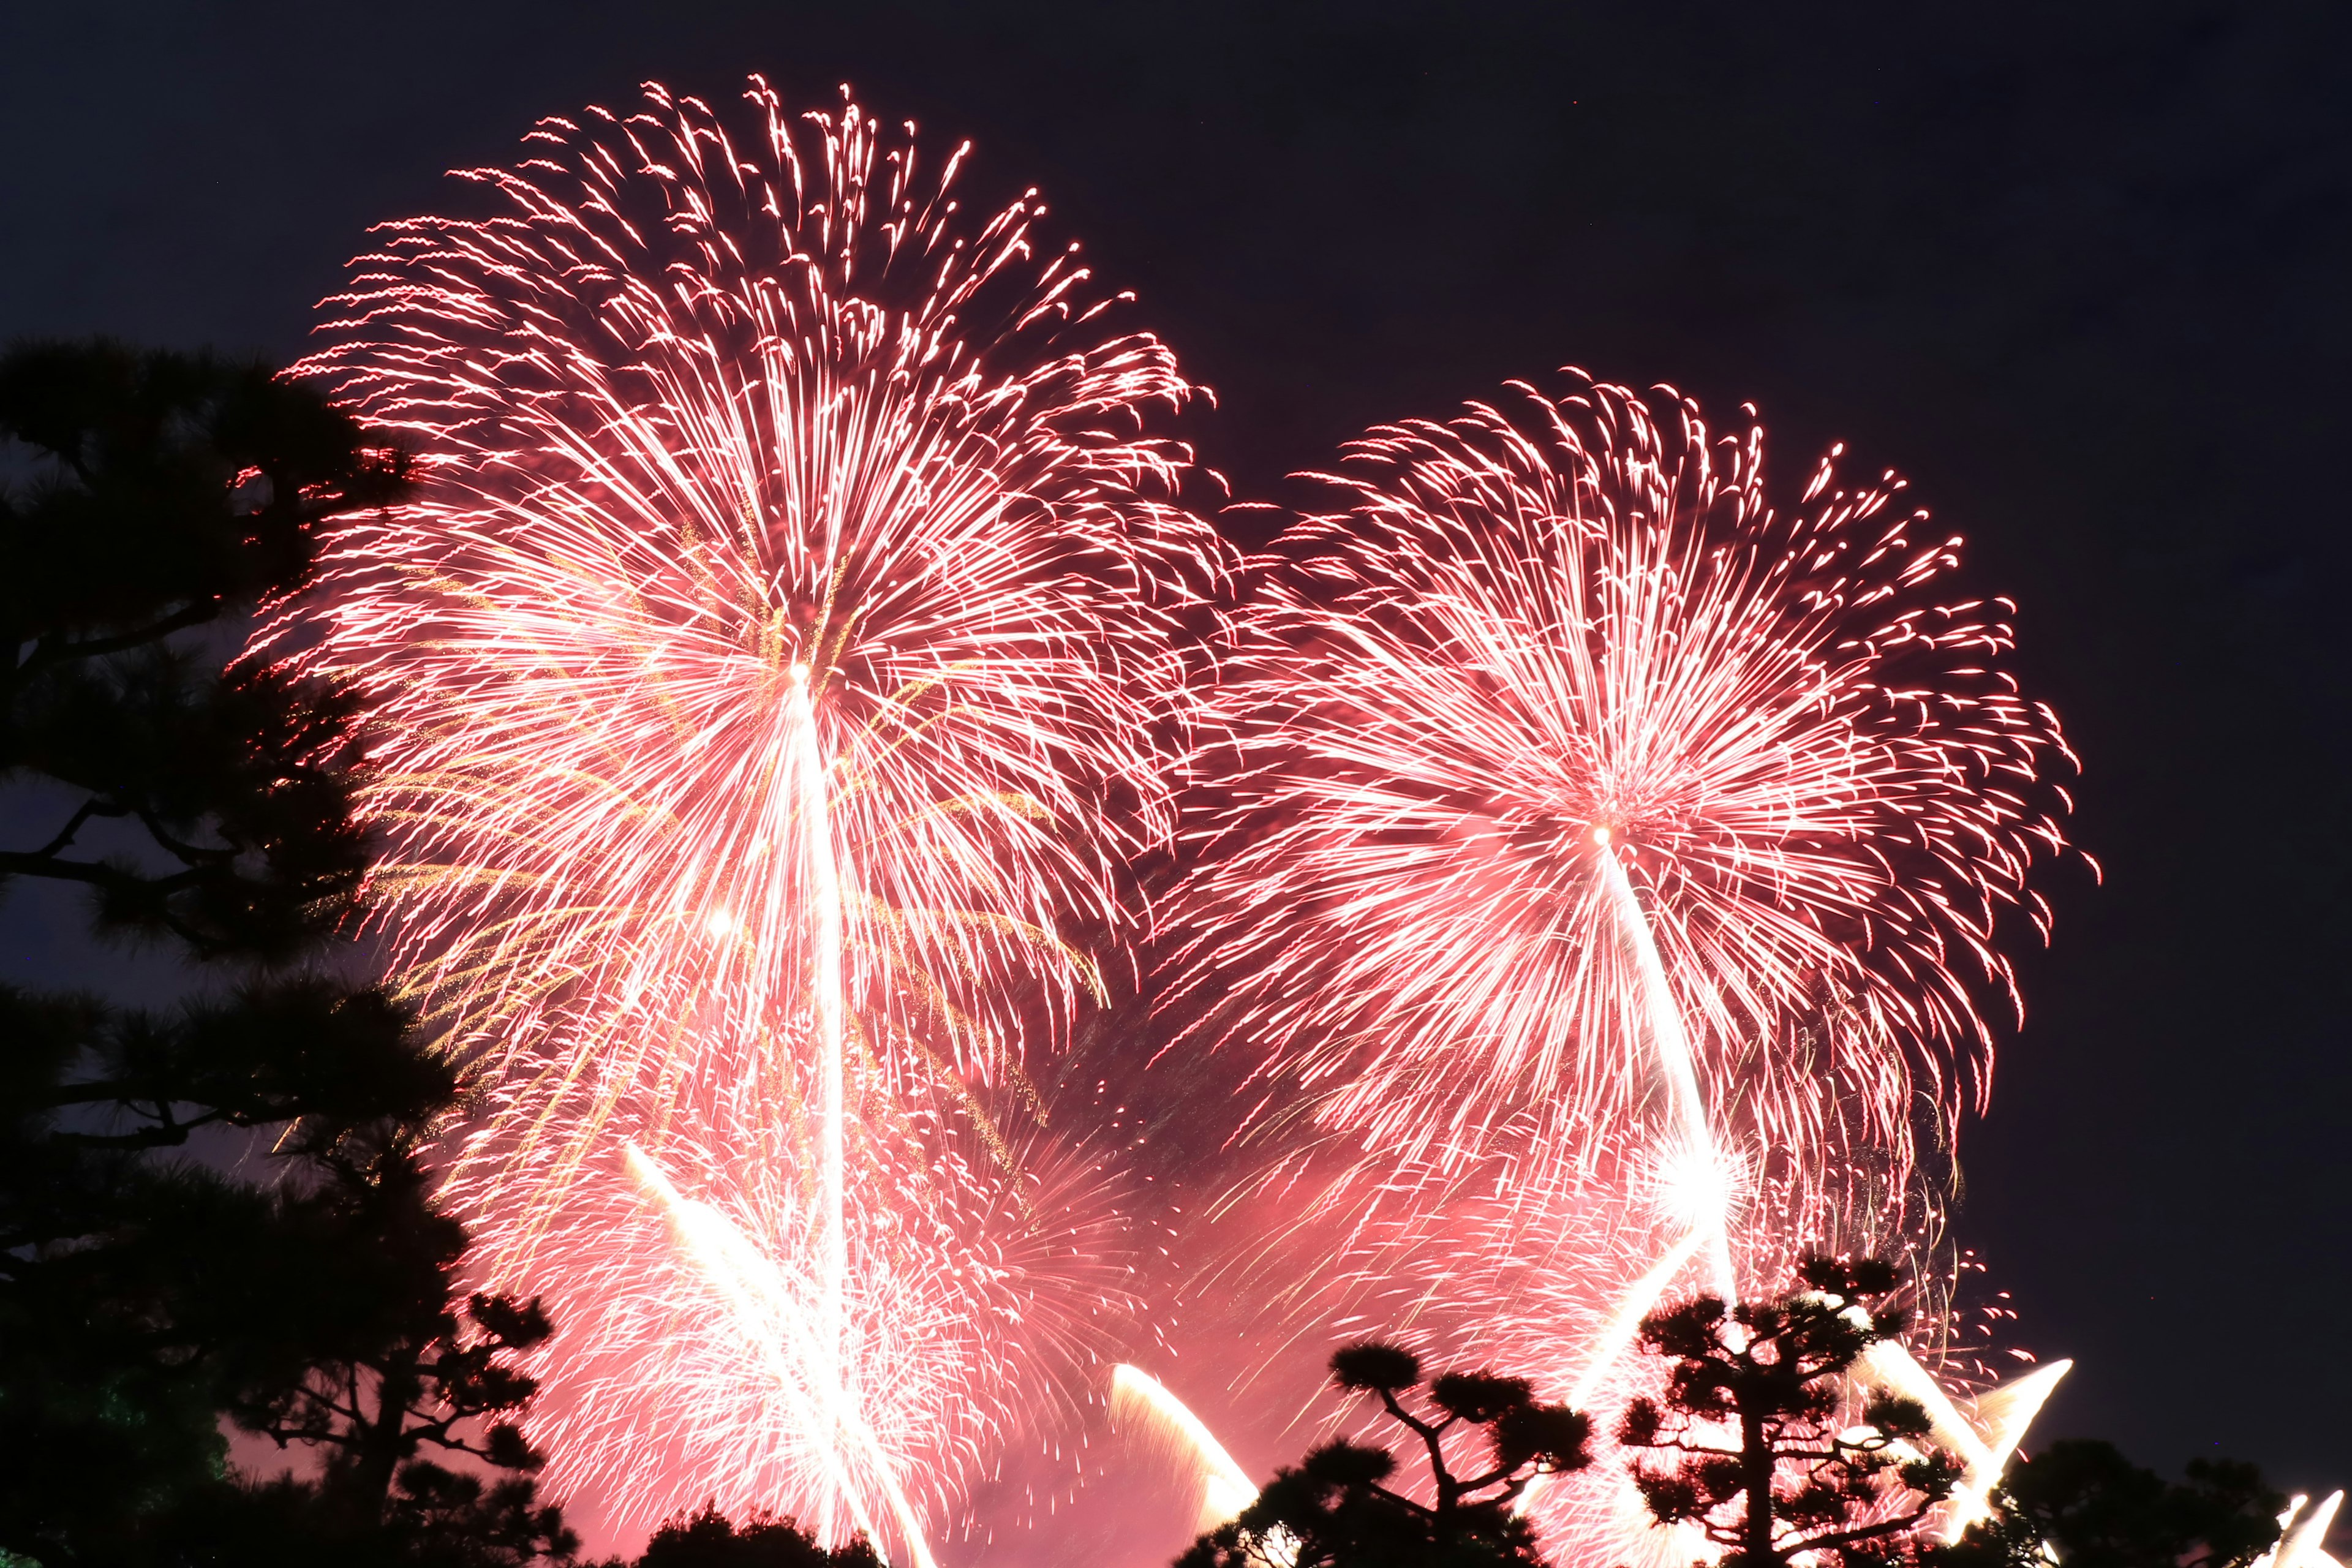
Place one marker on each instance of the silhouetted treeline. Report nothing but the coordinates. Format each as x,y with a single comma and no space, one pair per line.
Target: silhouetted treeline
1764,1441
211,1216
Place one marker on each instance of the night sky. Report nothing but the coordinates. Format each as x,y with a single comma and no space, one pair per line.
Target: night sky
2081,271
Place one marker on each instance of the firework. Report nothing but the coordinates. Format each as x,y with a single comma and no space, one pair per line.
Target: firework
1157,1420
1608,869
1559,710
773,669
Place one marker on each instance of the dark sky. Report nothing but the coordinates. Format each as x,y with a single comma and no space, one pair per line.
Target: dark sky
2081,271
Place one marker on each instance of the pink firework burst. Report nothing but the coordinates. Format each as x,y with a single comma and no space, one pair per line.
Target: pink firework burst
1606,863
1560,635
773,669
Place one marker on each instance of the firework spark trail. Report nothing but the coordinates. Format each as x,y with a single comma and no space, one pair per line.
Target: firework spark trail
1142,1403
807,1361
2003,1414
774,668
1671,1040
2301,1540
1609,1347
1888,1362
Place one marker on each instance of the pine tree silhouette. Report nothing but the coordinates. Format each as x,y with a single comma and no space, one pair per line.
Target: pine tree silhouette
207,806
1337,1509
1762,1457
